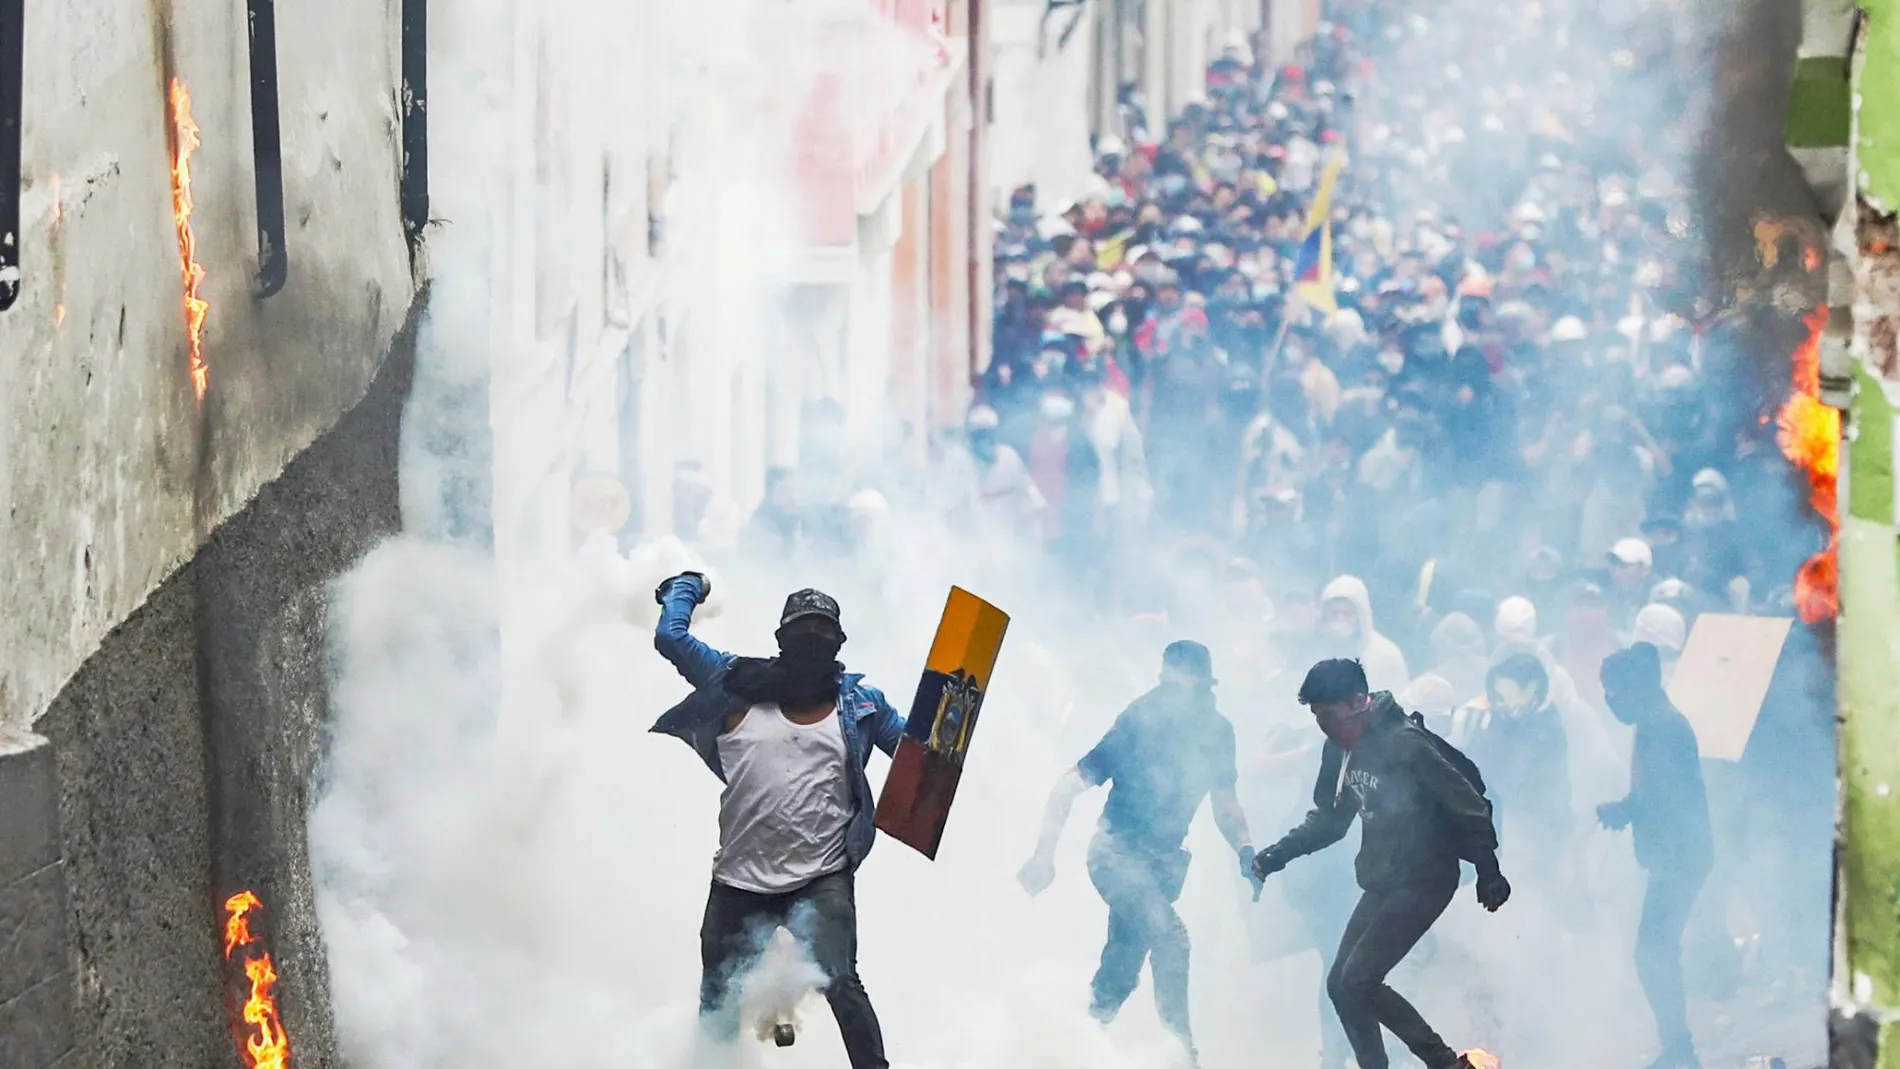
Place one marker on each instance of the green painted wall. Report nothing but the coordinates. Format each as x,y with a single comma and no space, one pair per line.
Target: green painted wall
1879,97
1870,711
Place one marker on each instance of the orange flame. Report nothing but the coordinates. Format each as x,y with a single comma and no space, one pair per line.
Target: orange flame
1809,434
1482,1059
268,1046
185,141
237,928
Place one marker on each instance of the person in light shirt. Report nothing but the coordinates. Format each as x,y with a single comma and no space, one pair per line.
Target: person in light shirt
790,737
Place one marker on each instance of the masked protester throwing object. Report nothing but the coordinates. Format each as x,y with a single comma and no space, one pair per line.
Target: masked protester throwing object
1422,807
790,738
1165,753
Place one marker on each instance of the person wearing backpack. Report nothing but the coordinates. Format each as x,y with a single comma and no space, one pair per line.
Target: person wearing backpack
1422,810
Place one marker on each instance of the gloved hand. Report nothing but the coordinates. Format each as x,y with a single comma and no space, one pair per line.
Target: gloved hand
1493,890
1266,863
702,588
1247,855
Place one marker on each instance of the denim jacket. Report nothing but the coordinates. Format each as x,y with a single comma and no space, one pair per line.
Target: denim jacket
865,716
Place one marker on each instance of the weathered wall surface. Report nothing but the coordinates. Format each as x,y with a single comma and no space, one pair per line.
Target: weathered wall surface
113,472
185,749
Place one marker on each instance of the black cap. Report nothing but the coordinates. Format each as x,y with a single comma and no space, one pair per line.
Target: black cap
809,602
1191,658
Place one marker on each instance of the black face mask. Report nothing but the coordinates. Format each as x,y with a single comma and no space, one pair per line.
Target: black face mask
804,674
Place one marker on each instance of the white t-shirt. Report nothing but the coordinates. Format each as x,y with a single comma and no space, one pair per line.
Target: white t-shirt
787,802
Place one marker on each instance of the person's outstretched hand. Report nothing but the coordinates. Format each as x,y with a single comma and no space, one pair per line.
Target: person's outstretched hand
1037,874
1247,856
1493,890
1266,863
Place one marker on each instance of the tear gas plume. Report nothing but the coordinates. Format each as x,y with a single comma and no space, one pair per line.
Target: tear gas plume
511,870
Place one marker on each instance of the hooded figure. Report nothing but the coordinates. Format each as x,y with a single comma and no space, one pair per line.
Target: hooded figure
1515,733
1346,626
1596,760
1459,655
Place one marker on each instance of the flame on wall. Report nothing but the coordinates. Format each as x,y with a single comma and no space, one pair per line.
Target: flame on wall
185,141
265,1045
1809,434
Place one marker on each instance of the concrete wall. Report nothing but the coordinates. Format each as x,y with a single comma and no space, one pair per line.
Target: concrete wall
175,770
112,472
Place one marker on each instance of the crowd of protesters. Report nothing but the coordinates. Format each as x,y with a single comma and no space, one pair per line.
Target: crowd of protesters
1505,426
1505,430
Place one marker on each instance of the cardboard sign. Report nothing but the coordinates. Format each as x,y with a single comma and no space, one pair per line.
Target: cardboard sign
915,804
1722,678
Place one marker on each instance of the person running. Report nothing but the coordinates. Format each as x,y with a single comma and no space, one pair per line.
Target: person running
1667,811
1163,755
1421,814
790,738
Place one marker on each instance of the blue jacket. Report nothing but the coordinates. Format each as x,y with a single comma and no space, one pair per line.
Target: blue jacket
865,716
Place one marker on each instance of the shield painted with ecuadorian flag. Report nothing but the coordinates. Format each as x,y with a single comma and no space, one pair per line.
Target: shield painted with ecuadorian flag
915,805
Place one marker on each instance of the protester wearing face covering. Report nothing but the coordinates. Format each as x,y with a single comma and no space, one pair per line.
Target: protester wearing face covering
1516,734
790,737
1667,810
1421,815
1165,753
1346,630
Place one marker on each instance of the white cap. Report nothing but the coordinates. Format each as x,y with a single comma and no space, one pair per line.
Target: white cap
1111,146
1632,551
1661,626
1569,328
983,418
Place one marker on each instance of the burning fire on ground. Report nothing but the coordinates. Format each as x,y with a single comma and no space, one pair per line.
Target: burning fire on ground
184,142
1482,1059
1809,434
265,1044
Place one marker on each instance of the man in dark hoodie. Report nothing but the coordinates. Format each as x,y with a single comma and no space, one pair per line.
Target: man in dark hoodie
790,738
1667,811
1420,816
1164,754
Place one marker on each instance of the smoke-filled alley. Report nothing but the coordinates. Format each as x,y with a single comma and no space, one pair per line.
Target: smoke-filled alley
947,534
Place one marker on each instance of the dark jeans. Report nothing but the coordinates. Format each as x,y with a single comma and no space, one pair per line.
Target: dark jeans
1384,928
1140,888
824,916
1667,906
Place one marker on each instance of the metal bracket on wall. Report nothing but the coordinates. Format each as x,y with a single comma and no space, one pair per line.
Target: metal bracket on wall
267,150
12,92
415,120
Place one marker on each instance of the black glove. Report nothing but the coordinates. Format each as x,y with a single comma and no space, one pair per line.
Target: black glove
701,591
1493,890
1266,863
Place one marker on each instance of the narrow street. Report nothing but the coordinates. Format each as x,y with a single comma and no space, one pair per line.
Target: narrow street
1411,480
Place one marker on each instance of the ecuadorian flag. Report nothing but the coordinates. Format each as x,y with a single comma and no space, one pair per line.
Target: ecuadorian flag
1313,267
